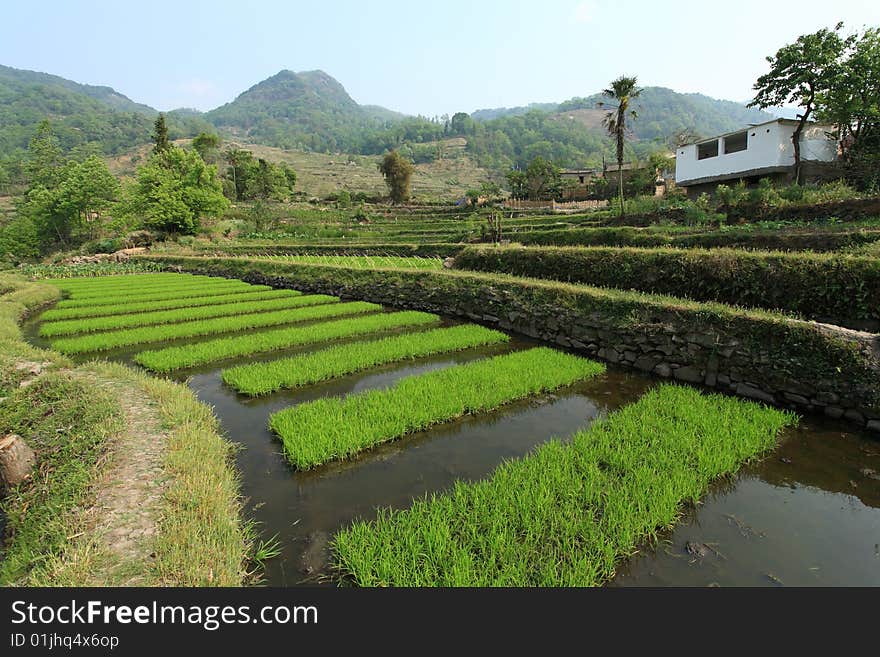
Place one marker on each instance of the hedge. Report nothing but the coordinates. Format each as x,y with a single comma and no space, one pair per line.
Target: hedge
817,286
749,238
420,250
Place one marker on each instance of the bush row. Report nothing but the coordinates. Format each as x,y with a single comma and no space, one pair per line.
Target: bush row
749,238
406,250
819,286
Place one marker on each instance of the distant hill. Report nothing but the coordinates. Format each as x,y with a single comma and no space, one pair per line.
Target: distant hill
81,114
571,133
662,112
311,111
308,111
499,112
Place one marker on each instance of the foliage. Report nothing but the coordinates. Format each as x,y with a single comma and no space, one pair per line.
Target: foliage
174,190
160,136
802,73
66,199
207,145
257,179
397,171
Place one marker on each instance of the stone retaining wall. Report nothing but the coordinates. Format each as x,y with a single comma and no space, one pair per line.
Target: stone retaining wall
804,365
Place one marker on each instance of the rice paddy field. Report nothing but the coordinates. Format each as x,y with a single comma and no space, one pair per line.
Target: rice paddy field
402,448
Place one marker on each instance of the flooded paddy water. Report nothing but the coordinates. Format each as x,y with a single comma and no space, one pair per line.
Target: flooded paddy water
807,513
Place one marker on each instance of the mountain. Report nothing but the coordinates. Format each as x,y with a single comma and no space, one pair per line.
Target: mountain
571,133
500,112
82,115
306,111
311,111
661,112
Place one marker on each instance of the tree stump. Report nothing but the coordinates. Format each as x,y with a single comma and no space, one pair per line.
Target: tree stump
16,460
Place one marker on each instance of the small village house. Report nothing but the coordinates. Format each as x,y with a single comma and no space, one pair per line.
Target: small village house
760,151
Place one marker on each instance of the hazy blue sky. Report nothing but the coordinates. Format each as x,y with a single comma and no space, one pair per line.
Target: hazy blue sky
415,57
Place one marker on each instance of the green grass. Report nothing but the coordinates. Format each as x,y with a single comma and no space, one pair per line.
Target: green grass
58,314
366,261
230,288
66,423
90,325
305,369
337,428
126,337
172,358
568,514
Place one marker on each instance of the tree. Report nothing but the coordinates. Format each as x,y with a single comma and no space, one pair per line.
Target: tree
517,181
160,136
207,145
461,124
802,72
73,205
44,159
622,91
397,171
853,105
240,162
174,190
542,179
684,137
88,190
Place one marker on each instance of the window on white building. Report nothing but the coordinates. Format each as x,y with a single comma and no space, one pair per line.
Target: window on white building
736,143
707,149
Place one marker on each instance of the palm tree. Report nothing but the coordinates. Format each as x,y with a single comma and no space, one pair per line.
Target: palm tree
622,90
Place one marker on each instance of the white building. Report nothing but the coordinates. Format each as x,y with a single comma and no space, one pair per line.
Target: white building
763,150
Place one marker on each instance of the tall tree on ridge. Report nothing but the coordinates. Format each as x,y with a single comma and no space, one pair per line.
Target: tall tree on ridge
622,91
160,137
802,72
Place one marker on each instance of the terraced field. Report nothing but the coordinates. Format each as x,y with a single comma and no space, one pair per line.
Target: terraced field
374,408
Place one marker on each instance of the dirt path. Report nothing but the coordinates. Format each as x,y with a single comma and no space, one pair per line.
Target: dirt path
124,519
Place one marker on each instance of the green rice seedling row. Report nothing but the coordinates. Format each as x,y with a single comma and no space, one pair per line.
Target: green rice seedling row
116,299
568,514
175,280
338,428
57,314
126,337
305,369
122,279
187,287
173,358
93,324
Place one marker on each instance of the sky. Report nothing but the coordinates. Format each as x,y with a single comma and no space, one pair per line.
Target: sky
415,57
